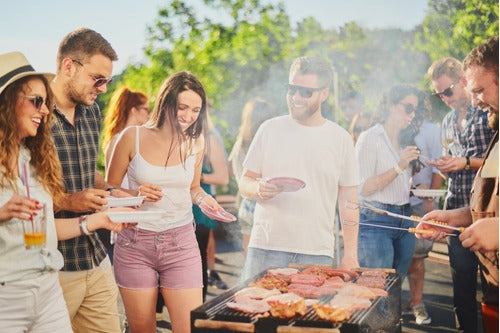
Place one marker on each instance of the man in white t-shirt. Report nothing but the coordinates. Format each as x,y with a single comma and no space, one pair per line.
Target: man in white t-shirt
298,227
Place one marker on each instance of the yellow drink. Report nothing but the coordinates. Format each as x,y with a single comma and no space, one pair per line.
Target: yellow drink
34,239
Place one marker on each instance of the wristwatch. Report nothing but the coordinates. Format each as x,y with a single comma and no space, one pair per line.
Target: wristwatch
467,163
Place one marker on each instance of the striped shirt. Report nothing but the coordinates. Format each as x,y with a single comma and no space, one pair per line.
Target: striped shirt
78,149
376,155
472,141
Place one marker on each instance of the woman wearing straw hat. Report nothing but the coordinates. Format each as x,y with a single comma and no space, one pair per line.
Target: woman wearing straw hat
31,298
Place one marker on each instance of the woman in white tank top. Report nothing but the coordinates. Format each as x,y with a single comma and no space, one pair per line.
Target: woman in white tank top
163,161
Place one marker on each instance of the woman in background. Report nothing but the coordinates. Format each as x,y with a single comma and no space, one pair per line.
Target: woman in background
384,162
254,113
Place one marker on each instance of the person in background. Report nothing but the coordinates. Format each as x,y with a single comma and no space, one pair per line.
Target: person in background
170,180
126,108
286,222
254,113
214,172
465,137
427,137
30,292
352,104
360,123
386,164
481,218
84,67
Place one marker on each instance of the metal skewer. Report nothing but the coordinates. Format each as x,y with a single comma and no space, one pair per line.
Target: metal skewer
384,212
411,230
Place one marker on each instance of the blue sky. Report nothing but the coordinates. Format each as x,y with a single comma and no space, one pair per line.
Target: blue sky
36,27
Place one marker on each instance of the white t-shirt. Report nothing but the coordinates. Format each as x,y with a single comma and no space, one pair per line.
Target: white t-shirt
323,157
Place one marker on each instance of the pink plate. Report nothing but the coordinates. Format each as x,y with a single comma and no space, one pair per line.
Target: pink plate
219,215
288,184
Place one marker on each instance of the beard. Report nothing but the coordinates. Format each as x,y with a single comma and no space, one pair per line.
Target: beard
75,96
493,120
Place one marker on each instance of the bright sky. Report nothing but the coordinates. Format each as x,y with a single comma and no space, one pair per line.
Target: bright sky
36,27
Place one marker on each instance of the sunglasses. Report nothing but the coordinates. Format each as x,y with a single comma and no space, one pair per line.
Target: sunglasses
37,101
99,81
304,92
448,92
409,108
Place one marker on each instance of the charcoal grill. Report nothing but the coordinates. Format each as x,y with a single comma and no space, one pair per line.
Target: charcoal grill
382,316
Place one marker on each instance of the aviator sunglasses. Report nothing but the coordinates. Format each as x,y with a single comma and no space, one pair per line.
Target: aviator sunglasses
448,91
99,81
36,100
305,92
409,108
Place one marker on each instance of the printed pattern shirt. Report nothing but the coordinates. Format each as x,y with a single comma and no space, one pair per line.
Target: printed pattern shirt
78,149
472,141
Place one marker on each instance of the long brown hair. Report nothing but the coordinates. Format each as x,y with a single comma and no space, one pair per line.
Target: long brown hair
44,158
120,105
165,109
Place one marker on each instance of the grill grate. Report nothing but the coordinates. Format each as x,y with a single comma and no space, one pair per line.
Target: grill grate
382,316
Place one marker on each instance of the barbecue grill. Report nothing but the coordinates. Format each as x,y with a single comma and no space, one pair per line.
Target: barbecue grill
384,315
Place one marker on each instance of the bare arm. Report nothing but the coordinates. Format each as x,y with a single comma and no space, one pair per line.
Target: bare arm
350,231
253,188
120,158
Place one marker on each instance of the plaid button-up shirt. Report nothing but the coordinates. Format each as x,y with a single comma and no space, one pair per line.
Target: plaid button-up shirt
472,141
78,149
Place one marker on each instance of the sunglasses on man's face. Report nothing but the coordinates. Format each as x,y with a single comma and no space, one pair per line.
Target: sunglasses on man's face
448,92
409,108
305,92
36,100
99,81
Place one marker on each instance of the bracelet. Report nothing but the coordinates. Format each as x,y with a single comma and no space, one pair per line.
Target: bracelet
200,198
111,188
82,223
398,169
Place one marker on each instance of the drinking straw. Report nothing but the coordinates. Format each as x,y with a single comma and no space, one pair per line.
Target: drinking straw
25,169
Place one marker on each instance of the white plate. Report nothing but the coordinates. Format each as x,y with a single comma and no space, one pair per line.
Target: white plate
124,202
136,216
428,193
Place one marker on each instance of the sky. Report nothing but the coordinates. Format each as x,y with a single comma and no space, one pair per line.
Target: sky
36,27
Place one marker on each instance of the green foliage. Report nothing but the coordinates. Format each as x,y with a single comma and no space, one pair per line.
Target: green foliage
242,49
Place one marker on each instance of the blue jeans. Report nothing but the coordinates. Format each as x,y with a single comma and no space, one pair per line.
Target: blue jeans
464,266
259,260
386,248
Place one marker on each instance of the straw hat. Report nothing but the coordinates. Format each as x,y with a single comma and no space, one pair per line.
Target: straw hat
14,66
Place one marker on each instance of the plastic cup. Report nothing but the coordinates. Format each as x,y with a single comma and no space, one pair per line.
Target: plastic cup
35,230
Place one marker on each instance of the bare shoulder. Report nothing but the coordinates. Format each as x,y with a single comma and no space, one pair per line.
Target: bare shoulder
199,144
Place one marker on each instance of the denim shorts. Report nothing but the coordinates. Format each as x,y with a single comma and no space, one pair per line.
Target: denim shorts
172,256
386,248
259,260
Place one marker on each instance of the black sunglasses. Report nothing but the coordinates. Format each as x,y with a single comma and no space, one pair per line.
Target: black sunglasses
305,92
36,100
448,92
409,108
99,81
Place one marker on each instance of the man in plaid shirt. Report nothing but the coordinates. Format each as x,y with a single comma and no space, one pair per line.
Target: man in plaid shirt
85,63
465,136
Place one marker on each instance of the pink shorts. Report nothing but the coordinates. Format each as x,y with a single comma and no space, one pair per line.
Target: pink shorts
141,257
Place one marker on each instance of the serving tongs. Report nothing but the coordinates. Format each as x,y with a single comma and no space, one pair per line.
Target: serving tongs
380,211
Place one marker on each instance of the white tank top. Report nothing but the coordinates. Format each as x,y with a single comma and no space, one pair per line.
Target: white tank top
175,182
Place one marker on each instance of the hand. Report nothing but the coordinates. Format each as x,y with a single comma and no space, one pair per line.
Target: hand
408,154
19,207
481,236
348,262
439,233
117,193
451,164
210,201
89,200
152,192
267,191
102,221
